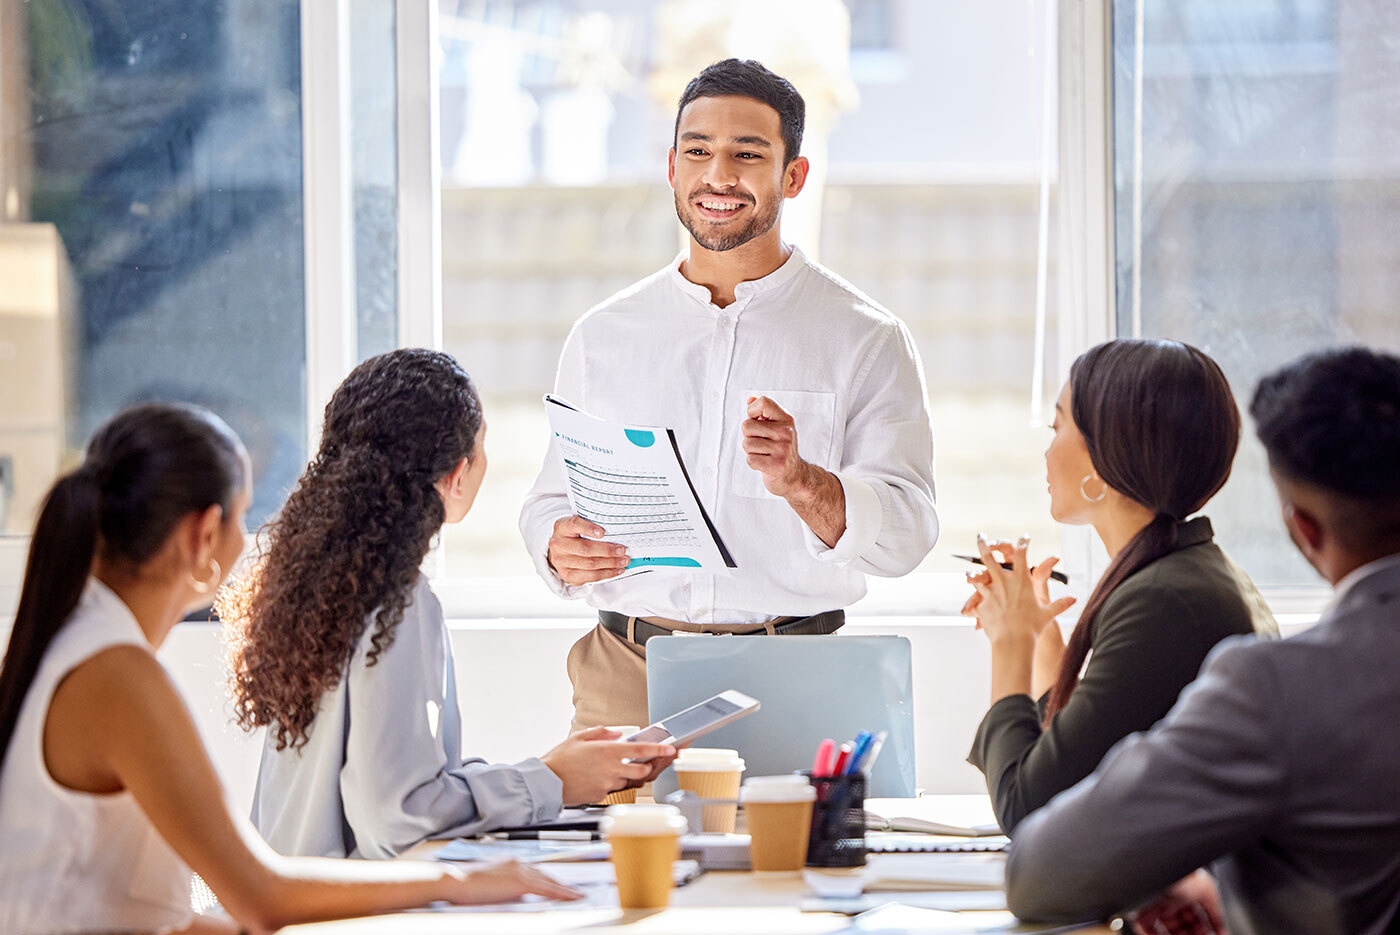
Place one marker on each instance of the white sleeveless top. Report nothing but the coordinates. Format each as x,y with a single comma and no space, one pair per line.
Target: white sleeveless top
73,861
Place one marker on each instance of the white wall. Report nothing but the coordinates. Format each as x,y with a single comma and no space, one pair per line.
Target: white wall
515,697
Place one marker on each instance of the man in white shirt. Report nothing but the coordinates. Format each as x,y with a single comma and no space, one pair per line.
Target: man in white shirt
798,404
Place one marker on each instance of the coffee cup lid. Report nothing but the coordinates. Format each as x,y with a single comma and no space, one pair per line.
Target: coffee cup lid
709,760
642,820
791,788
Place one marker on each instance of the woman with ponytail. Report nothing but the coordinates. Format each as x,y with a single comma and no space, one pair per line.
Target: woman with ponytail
107,797
1145,433
340,650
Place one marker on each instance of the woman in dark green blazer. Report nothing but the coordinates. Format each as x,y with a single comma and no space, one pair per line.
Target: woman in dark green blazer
1145,433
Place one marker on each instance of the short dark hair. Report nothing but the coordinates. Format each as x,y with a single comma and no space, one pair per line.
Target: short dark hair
1331,420
748,78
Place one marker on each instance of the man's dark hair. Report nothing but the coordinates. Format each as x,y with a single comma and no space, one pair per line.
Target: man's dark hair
1331,420
747,78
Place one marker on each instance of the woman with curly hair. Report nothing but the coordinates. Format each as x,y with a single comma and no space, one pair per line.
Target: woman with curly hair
340,650
107,796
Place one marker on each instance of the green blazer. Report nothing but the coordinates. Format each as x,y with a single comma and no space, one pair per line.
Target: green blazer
1151,637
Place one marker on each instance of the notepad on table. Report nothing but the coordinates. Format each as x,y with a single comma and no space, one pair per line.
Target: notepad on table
932,816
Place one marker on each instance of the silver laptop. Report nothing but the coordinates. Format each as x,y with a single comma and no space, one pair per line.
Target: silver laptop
810,688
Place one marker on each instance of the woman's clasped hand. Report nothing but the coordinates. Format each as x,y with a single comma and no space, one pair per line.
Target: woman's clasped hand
1012,604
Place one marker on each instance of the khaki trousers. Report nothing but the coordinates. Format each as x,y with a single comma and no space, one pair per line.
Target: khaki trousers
609,673
610,681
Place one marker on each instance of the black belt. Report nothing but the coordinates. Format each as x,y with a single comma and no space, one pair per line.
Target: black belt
816,625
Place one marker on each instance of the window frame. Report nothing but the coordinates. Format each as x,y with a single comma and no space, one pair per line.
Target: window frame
1088,262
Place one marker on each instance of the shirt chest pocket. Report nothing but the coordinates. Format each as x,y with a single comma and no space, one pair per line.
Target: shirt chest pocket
814,415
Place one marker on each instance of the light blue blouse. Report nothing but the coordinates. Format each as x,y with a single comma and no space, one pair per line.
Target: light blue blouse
382,767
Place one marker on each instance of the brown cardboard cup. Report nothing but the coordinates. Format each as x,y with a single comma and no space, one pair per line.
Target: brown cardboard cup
645,842
712,773
779,811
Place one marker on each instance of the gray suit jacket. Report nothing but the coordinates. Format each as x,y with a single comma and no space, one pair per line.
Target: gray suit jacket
1280,764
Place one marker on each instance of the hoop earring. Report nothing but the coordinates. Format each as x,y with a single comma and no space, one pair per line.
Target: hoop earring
204,587
1085,494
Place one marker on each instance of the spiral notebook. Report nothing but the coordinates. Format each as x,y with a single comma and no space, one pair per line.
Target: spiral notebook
922,843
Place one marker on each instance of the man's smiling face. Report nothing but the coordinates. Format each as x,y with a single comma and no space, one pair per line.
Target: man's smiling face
728,170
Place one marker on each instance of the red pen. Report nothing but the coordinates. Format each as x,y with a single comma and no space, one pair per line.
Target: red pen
821,764
841,758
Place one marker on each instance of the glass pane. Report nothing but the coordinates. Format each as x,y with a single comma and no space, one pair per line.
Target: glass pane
152,236
1256,201
556,118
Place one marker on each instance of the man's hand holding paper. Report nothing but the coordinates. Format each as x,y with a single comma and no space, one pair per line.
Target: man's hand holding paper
579,558
625,482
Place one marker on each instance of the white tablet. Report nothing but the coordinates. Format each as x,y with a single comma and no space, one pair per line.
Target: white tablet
696,721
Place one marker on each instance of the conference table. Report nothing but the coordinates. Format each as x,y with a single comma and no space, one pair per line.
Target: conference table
716,903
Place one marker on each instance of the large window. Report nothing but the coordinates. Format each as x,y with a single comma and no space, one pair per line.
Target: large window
1256,184
230,203
556,118
154,202
154,227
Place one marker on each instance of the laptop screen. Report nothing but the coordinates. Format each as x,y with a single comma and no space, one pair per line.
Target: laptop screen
810,687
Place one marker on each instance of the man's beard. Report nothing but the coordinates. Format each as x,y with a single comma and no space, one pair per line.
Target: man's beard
759,224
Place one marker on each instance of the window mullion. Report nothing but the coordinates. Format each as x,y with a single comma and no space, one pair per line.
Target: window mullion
1085,273
328,205
419,211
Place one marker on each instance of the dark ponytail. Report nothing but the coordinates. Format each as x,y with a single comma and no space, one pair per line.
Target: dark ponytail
144,471
1162,429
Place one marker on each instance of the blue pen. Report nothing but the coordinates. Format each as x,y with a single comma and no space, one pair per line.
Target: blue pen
859,748
876,746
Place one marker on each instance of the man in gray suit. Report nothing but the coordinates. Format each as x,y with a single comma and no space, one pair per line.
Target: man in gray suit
1280,766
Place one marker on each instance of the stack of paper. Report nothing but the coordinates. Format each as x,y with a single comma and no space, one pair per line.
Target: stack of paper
602,874
893,873
527,852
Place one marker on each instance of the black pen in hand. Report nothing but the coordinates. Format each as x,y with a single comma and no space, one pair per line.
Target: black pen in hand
1054,575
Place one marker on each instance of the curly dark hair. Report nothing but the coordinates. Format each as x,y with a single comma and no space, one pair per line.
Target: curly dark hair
348,544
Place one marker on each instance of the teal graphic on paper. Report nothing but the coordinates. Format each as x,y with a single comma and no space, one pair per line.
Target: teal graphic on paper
639,438
673,562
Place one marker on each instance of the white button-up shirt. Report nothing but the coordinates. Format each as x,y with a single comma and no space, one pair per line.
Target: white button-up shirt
662,353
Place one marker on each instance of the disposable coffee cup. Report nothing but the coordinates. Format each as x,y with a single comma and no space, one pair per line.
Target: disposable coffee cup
712,773
645,841
622,796
779,810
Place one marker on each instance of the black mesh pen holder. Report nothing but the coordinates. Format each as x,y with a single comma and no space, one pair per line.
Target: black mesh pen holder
838,822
